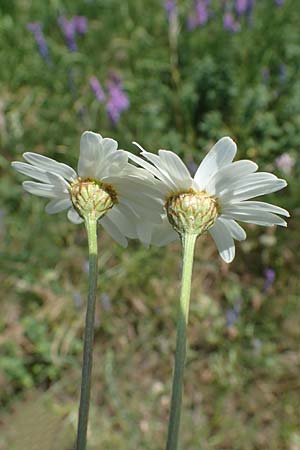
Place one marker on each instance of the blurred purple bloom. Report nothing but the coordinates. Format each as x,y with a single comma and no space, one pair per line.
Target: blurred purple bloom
282,73
201,8
191,22
105,301
97,89
285,163
270,276
68,27
170,7
78,24
257,344
279,2
36,29
81,24
241,6
117,99
200,14
230,23
244,6
265,74
85,266
77,299
232,314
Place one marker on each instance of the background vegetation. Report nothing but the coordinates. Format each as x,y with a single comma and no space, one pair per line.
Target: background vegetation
181,81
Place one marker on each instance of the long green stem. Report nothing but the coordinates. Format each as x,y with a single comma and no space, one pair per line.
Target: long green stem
188,243
91,228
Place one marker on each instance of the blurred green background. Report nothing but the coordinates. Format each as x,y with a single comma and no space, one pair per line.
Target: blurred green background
168,76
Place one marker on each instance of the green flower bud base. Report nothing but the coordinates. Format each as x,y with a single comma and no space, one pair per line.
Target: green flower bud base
91,198
192,212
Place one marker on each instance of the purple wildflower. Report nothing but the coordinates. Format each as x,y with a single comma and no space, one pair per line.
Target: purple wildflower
77,299
265,74
200,14
232,314
105,301
81,24
241,7
282,73
279,2
118,100
285,163
68,27
36,29
97,89
244,6
201,8
230,24
270,276
191,22
170,7
85,266
257,345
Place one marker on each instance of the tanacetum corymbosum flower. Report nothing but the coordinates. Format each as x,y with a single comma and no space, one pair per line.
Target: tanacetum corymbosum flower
219,195
119,192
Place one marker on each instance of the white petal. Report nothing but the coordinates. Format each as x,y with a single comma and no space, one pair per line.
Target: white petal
55,206
112,164
223,240
261,206
139,172
236,231
109,145
163,234
263,218
254,190
165,175
144,232
59,182
160,173
140,186
125,220
31,171
43,190
141,162
254,179
152,214
226,176
176,168
91,154
50,165
113,231
221,154
74,217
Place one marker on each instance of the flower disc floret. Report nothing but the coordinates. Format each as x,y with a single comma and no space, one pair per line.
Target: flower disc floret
192,212
92,198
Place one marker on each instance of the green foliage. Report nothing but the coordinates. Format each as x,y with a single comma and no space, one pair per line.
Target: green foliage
186,89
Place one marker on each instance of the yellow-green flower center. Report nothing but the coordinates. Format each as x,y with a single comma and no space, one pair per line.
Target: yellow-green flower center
92,198
192,212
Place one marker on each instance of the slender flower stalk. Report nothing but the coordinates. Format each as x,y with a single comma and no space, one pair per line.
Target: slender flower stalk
188,244
91,229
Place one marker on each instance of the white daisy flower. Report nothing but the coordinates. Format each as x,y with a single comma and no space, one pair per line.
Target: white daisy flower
219,195
127,192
